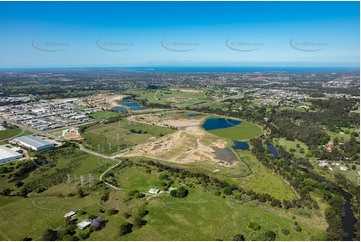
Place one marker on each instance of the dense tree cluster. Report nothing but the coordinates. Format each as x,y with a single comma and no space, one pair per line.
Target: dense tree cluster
303,179
179,192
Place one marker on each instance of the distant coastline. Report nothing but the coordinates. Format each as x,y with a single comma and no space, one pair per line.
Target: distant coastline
199,69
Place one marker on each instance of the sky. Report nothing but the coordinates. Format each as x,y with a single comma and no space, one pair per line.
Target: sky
121,34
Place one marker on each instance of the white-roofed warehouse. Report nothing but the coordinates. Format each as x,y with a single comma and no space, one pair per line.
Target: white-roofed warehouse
7,154
33,142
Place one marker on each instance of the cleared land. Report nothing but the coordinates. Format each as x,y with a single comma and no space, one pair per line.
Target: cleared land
288,145
116,136
103,100
187,145
194,148
179,97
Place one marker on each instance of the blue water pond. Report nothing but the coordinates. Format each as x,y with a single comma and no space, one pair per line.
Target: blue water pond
131,104
273,150
237,145
219,123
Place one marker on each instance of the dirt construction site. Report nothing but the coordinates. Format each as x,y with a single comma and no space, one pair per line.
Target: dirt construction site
103,100
190,143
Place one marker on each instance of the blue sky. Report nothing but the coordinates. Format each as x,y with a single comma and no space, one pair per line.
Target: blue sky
62,34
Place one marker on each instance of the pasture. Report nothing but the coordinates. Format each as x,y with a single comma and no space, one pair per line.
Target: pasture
104,115
116,136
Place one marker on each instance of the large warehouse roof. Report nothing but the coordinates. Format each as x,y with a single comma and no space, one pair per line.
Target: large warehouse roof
33,141
7,154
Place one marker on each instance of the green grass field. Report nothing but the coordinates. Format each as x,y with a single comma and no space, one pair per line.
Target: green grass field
203,216
5,134
214,217
242,132
199,216
288,144
135,178
104,115
263,180
45,210
176,97
113,137
343,136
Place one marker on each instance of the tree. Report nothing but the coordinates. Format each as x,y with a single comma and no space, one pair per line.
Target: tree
81,192
180,192
125,228
6,191
285,231
138,222
50,235
254,226
112,211
142,212
84,235
239,237
269,235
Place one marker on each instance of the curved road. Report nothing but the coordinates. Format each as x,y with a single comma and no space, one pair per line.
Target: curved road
82,148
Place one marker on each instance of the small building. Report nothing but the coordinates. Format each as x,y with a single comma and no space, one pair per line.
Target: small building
322,163
7,154
69,215
154,191
33,142
329,146
343,168
83,224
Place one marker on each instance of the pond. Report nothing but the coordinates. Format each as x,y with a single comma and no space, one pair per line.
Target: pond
219,123
131,104
120,109
237,145
349,220
273,150
193,114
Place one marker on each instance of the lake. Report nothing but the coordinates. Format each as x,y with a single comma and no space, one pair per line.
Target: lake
273,150
120,109
131,104
237,145
219,123
193,114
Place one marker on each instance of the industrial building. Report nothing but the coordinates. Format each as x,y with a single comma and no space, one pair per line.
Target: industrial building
8,154
33,142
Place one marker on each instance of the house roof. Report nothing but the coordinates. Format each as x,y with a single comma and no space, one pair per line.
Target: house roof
97,222
71,213
154,190
84,224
